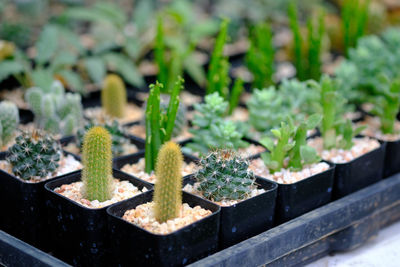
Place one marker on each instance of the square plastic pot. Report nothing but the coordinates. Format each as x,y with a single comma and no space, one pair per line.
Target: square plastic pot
248,217
24,209
134,245
303,196
360,172
392,158
80,234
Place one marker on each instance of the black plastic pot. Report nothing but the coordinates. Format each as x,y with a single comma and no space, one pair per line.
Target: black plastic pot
134,158
135,246
133,140
247,218
80,234
359,173
24,209
392,158
303,196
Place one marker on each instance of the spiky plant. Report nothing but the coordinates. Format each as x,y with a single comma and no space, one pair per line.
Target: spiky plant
34,155
9,120
113,96
167,190
224,175
97,165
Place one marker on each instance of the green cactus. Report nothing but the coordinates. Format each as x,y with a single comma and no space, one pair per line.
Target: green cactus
224,175
34,155
9,121
97,165
55,111
167,190
117,136
113,96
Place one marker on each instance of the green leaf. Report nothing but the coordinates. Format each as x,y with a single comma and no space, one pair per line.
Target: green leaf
42,78
74,81
46,46
267,142
10,67
313,121
289,146
125,67
195,70
63,58
142,11
309,155
276,133
96,69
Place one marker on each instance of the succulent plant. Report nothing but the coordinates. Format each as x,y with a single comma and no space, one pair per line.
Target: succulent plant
167,190
224,175
34,155
55,111
159,126
290,144
211,129
267,108
97,165
113,96
9,121
114,128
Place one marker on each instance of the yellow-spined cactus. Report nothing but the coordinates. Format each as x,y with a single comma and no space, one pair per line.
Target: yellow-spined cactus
113,96
97,165
7,49
167,190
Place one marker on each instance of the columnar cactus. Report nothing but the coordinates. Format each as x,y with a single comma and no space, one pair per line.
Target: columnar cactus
224,175
55,111
9,120
180,120
34,155
97,165
167,191
113,96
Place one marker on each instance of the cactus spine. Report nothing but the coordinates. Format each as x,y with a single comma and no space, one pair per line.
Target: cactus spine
167,191
9,120
97,162
113,96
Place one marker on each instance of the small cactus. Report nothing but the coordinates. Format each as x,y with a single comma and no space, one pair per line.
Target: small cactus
34,155
9,120
97,165
167,191
225,176
113,96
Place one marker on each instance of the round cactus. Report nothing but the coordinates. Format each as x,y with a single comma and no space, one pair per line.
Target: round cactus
113,96
34,155
167,190
97,165
9,120
225,176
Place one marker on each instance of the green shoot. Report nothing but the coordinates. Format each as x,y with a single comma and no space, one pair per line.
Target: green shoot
235,95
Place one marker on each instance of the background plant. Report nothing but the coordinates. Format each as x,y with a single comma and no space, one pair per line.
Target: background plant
34,155
9,122
97,165
224,175
289,143
113,96
55,111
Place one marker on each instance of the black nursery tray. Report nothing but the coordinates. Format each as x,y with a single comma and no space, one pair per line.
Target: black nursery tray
339,226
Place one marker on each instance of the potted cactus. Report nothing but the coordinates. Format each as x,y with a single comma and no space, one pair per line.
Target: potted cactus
358,160
247,202
304,182
77,203
55,111
164,227
34,159
114,103
9,121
